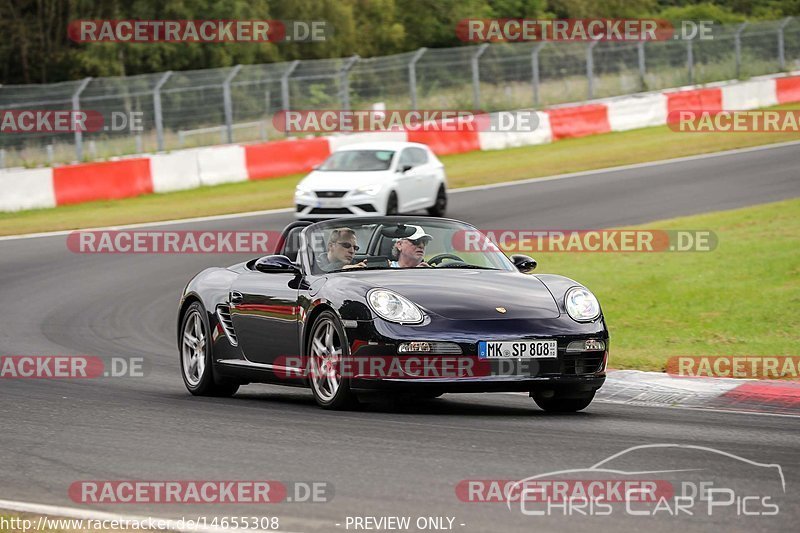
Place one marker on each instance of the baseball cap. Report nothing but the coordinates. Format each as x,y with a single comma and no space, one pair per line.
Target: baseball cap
419,233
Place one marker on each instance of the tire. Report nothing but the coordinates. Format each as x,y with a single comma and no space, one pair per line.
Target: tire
439,209
195,354
391,204
432,395
557,404
327,348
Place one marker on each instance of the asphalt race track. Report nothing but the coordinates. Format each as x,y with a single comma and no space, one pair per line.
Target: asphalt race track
390,459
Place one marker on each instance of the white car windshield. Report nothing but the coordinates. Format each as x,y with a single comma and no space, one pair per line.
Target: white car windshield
358,161
352,245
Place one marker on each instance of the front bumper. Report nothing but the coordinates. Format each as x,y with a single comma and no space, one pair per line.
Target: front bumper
377,365
310,206
560,385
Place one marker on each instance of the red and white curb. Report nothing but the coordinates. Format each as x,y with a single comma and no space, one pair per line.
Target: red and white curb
634,387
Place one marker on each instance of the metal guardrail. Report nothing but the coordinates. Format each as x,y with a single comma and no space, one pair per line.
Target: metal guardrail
178,107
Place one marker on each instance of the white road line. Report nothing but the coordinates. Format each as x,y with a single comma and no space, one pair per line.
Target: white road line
88,514
696,408
632,166
665,406
452,191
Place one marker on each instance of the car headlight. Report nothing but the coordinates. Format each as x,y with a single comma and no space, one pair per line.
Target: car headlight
581,304
369,189
392,307
302,191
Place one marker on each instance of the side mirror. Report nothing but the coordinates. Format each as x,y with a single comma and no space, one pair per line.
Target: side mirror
276,263
405,168
524,263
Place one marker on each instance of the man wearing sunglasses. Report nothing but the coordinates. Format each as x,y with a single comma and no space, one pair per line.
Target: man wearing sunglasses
410,251
342,248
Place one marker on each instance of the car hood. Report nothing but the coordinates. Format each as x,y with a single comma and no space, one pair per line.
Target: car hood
466,294
342,181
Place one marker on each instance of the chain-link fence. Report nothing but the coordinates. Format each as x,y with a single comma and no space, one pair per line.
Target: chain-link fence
202,107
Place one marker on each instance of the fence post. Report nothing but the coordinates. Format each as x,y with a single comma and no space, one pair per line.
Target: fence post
476,76
227,101
737,45
781,45
642,66
590,68
412,75
690,61
76,106
344,80
285,102
285,98
535,71
157,114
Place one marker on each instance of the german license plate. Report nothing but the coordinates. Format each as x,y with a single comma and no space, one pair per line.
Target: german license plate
518,349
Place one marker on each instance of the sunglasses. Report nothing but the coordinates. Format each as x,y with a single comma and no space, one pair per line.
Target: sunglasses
347,245
422,241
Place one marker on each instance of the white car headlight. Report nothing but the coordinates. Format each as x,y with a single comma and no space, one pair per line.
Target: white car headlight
302,191
369,189
392,307
581,304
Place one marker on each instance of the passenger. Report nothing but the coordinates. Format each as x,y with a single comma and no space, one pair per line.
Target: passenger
342,248
409,252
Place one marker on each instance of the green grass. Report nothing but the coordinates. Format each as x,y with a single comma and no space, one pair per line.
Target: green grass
743,298
474,168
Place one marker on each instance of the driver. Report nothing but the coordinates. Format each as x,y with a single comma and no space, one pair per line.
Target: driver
342,248
409,252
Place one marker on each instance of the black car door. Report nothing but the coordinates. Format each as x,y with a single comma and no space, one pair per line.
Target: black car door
265,313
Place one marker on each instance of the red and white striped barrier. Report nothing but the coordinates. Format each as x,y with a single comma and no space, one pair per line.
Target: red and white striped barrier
188,169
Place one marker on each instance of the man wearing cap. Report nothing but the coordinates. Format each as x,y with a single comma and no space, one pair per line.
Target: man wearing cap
409,252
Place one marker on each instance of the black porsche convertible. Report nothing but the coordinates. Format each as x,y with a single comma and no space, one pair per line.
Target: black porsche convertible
417,306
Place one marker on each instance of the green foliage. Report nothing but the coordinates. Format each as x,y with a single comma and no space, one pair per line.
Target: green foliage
606,8
704,11
36,48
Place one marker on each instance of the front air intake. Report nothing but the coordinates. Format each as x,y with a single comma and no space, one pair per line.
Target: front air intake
224,315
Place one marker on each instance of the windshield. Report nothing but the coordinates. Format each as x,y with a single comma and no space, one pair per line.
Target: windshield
358,161
394,243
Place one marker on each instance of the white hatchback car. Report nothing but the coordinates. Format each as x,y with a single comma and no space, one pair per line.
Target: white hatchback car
378,178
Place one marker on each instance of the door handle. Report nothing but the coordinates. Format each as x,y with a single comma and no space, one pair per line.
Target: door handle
236,297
